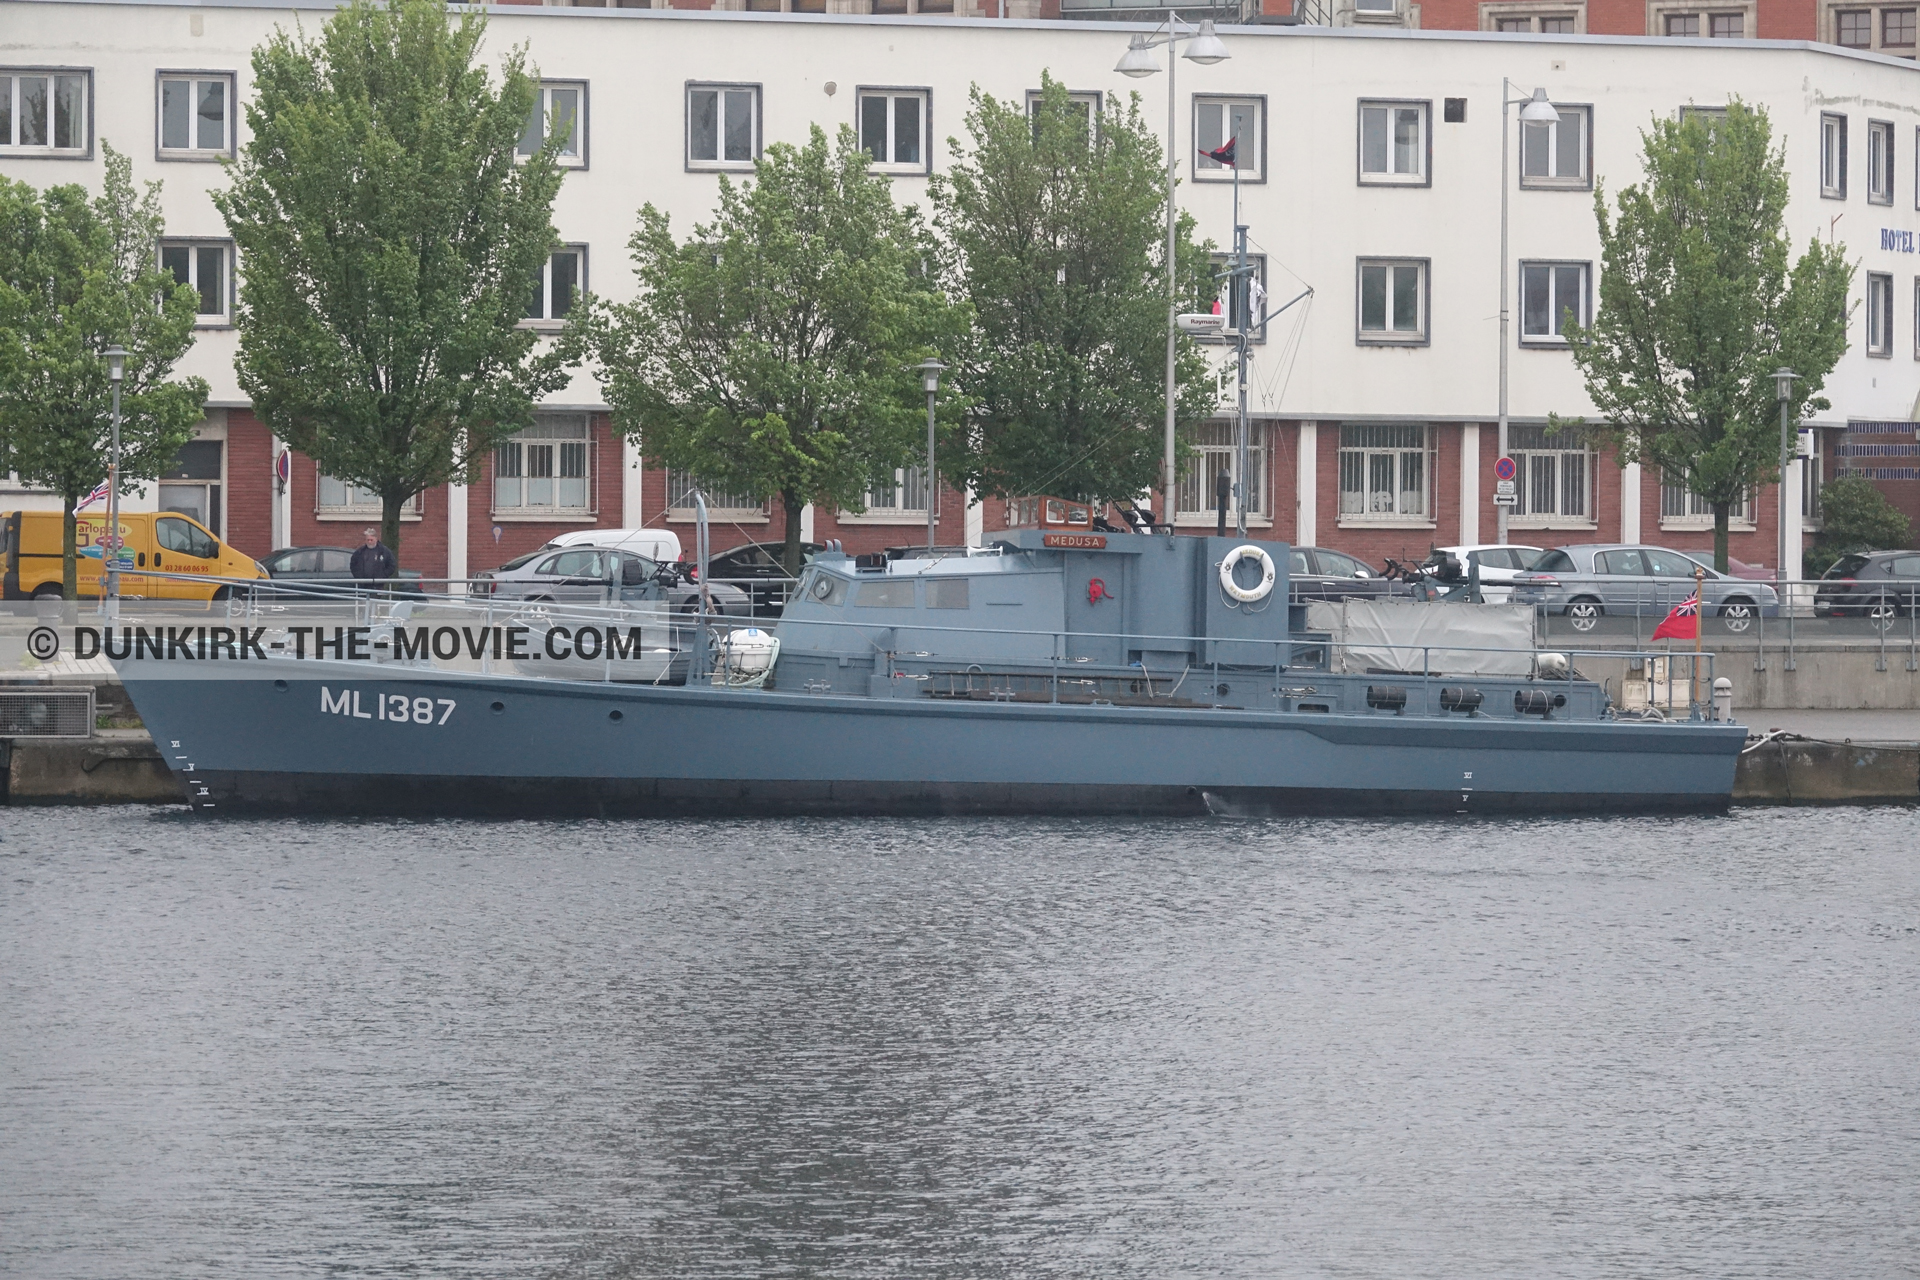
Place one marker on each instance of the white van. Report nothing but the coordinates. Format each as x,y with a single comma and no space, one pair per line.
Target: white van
660,545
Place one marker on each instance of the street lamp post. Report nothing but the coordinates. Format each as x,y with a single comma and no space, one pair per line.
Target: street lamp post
930,371
1206,50
1783,380
1534,109
116,370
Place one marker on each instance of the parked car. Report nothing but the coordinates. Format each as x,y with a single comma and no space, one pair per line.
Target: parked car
758,569
320,572
662,545
1500,563
1589,581
593,575
1316,573
1880,585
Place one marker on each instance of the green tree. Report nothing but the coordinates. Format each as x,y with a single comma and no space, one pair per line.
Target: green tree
772,353
1855,516
390,242
79,274
1698,307
1057,241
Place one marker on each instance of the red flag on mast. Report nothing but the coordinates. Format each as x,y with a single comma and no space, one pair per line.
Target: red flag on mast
1683,623
1224,155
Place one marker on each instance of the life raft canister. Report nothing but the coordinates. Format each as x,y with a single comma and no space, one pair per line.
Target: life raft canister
1247,595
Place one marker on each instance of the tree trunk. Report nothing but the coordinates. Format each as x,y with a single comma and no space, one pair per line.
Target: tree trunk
390,526
1721,512
792,504
69,550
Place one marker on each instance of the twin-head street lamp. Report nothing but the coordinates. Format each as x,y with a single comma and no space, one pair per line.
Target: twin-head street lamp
1205,48
930,371
110,546
1533,110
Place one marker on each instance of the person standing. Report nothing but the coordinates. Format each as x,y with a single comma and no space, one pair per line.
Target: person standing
373,564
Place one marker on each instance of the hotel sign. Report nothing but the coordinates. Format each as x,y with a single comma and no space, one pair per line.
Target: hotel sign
1893,240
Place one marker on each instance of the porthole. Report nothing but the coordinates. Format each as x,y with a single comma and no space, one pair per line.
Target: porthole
615,716
498,707
280,685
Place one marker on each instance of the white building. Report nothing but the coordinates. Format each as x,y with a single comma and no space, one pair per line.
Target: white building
1371,173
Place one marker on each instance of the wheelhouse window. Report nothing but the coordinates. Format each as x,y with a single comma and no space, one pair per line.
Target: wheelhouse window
1215,455
1553,476
196,115
1216,121
205,267
45,112
1833,156
1879,162
893,129
1384,472
1392,301
560,108
546,469
562,278
1557,154
1394,143
1879,314
1551,294
723,126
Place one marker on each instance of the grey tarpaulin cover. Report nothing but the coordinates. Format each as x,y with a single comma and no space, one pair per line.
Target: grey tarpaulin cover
1389,635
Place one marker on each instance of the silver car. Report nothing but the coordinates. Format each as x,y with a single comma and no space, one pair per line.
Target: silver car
600,575
1590,581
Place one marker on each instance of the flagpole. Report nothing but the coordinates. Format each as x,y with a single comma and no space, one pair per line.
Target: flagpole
1699,629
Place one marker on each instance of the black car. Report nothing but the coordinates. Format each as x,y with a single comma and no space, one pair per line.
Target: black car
759,569
1315,573
321,572
1880,585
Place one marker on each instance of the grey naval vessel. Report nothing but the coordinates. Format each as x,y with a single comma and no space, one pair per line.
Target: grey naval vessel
1085,673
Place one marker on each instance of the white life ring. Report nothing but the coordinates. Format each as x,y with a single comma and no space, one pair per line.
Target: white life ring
1247,595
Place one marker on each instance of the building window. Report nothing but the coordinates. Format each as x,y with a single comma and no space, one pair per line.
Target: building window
1393,300
1722,25
1680,507
45,112
1879,314
1726,26
1553,474
1896,28
196,115
1916,318
1086,102
190,484
1812,481
1250,302
203,265
562,279
1551,294
901,494
723,126
1853,28
1219,120
338,500
1394,142
735,506
561,108
894,129
1879,162
1556,155
1215,453
1383,473
1833,157
1683,24
1547,19
1556,24
546,469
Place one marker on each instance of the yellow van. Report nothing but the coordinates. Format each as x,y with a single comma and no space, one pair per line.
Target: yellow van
165,540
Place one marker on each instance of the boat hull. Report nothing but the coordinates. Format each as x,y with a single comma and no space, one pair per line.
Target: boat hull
491,745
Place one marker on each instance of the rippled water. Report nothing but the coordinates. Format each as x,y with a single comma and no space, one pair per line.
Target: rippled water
996,1048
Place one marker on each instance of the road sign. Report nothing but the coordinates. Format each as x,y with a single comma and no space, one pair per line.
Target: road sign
1503,469
1503,500
1503,486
